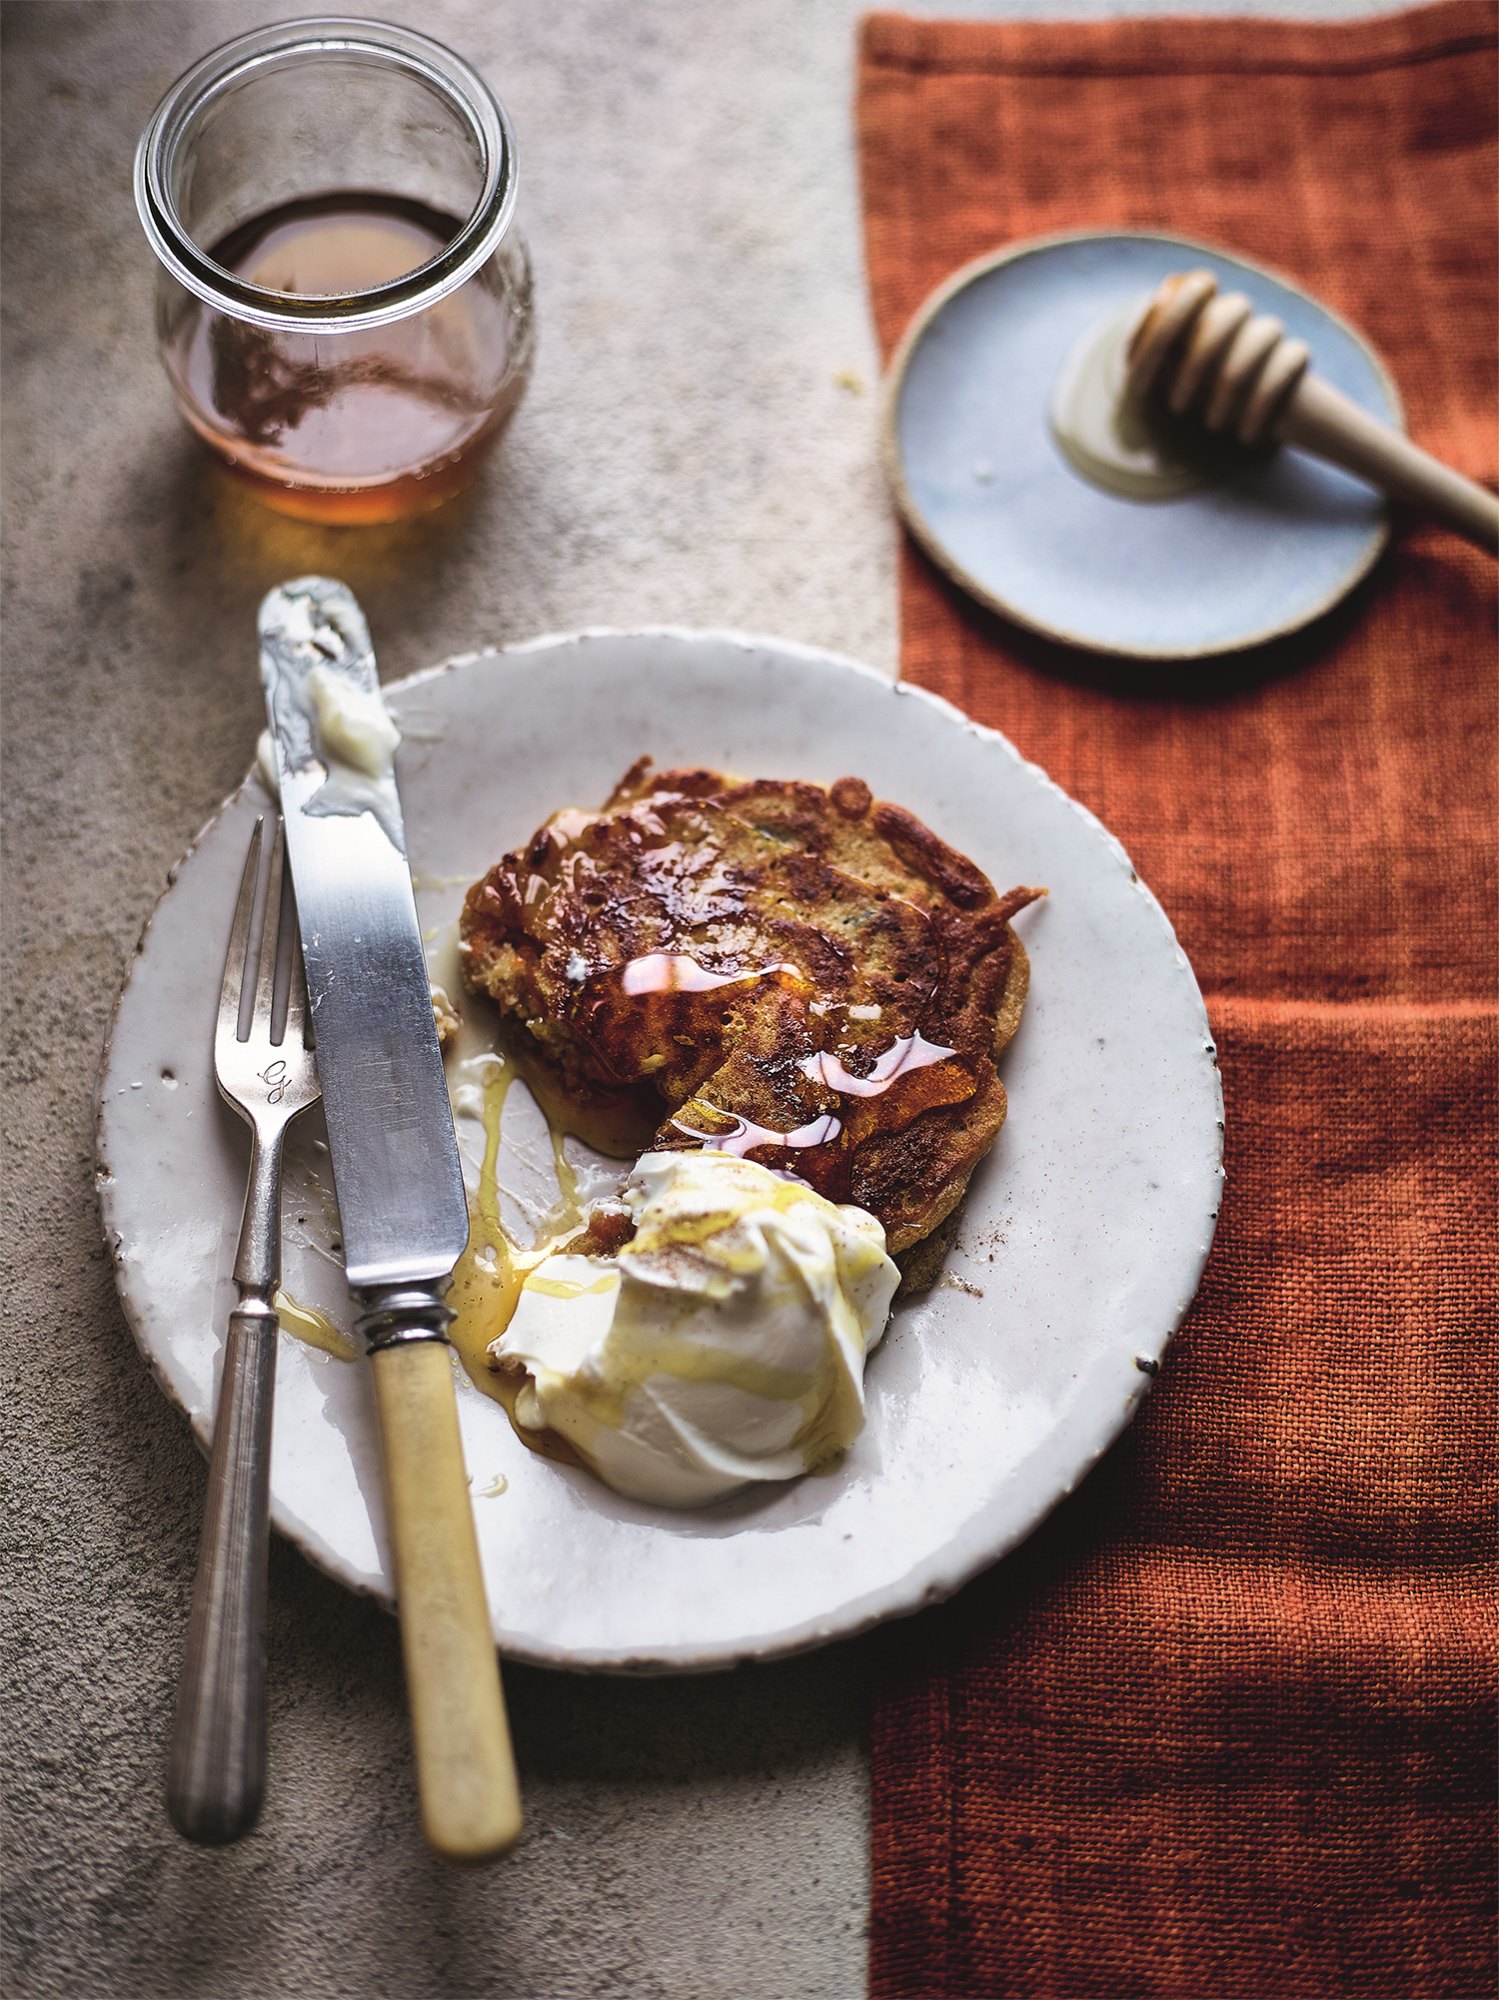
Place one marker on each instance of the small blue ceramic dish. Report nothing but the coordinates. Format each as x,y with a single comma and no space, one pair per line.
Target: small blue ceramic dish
987,490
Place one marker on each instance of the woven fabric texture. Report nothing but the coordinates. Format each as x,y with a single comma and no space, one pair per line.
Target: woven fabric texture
1225,1725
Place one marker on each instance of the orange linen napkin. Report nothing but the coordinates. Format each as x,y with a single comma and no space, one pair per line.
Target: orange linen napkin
1225,1725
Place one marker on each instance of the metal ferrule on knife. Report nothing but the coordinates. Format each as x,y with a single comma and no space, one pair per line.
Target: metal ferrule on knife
391,1318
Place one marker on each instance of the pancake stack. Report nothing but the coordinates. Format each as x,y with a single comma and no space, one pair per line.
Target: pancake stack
806,977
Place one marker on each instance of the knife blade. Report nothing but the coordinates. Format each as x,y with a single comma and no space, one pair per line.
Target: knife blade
397,1176
390,1129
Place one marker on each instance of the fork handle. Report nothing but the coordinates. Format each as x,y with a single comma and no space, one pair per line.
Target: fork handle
216,1762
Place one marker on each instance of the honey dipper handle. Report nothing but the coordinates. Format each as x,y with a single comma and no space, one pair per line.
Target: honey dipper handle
465,1768
1323,420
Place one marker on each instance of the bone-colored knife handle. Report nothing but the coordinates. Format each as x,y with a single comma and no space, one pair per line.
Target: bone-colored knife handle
465,1767
216,1760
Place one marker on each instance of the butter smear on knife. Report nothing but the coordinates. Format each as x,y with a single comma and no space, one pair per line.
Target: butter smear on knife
356,739
353,724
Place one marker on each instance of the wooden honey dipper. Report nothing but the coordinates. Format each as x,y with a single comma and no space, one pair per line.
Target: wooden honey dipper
1210,354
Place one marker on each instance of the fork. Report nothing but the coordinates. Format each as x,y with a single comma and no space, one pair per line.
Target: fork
216,1761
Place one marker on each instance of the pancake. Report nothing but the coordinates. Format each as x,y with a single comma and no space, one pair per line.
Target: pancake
806,977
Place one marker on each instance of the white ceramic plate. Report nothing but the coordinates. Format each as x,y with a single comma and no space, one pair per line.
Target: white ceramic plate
1083,1239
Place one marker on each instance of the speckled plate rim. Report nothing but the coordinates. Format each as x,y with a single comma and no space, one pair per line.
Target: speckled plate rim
893,461
1110,1396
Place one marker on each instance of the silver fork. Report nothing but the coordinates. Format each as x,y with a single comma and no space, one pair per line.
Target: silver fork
216,1763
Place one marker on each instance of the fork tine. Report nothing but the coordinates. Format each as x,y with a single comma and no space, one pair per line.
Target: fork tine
298,1026
270,933
239,941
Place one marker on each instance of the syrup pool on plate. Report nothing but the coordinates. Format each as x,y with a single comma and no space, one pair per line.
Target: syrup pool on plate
366,426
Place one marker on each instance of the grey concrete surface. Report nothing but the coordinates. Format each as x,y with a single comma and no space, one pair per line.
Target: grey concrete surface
697,448
686,455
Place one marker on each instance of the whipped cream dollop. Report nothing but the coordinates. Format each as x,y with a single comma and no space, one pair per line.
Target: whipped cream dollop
723,1344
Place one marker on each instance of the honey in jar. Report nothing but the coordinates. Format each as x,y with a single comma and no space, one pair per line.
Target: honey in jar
351,354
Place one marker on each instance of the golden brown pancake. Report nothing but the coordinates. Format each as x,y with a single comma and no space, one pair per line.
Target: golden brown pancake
807,977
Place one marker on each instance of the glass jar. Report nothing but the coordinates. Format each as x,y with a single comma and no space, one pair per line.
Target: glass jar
344,304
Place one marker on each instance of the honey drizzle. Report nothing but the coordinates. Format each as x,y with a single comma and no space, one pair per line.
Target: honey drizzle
493,1269
488,1277
313,1328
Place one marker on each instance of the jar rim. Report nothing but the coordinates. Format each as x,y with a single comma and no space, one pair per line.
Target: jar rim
227,66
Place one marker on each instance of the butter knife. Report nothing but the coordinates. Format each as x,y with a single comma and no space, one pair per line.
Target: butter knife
398,1180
